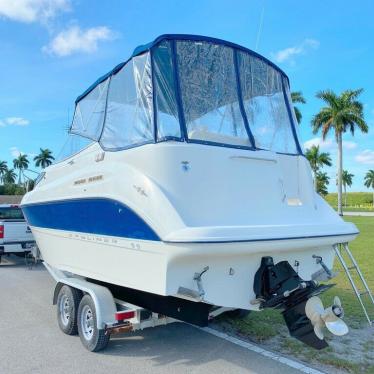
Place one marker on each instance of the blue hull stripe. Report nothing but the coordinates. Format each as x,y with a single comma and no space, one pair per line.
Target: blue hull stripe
90,215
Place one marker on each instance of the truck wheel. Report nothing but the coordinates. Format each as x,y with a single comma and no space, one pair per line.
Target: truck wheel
91,337
67,306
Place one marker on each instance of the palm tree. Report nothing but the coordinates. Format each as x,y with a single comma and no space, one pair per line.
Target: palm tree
21,163
3,170
44,158
369,181
347,181
9,176
317,160
342,112
322,182
297,97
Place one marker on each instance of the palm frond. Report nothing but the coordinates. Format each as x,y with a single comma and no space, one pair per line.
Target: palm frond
297,97
298,114
329,97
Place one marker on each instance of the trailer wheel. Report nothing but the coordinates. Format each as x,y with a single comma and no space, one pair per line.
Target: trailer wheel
92,338
67,306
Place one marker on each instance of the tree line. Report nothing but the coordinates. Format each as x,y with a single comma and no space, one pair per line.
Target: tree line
9,176
339,114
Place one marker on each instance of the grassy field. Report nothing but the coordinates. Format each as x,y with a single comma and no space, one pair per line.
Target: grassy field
363,250
356,201
344,353
356,209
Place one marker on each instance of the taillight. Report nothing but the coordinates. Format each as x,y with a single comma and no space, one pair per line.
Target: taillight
1,231
123,315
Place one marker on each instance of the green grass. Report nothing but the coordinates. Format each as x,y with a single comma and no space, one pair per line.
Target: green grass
342,363
326,357
356,201
363,251
258,326
356,209
269,325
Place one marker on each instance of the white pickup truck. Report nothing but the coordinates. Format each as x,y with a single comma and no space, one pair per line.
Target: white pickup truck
15,235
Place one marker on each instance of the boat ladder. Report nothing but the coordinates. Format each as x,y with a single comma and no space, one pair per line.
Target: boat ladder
339,248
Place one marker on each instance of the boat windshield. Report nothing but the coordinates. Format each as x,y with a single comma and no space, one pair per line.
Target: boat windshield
200,91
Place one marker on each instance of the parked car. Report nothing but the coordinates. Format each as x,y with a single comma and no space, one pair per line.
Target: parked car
15,235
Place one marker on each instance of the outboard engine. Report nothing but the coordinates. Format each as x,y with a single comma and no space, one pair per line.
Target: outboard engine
279,286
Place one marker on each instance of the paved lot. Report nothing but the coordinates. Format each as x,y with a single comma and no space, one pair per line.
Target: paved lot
363,214
31,342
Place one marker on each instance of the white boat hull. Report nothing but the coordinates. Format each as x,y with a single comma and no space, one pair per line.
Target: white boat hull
152,231
163,268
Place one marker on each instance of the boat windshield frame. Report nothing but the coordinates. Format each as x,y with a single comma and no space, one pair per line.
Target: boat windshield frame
173,40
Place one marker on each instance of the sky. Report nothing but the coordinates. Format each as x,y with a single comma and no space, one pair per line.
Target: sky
52,50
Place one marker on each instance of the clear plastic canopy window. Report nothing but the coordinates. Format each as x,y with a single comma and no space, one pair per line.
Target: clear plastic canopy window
198,91
209,93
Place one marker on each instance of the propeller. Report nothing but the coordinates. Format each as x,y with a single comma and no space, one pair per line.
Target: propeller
331,317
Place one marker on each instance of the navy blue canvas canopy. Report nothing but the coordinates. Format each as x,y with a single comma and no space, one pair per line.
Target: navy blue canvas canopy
190,88
147,47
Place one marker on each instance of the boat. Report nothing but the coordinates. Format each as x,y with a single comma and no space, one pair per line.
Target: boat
184,188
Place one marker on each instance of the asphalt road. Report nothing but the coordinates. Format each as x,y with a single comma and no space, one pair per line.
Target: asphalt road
31,342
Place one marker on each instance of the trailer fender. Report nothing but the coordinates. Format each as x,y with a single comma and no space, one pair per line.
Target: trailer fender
101,296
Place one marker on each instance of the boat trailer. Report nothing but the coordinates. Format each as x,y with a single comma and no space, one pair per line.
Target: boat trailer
91,311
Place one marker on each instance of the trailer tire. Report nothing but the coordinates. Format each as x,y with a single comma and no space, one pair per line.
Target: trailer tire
67,308
92,338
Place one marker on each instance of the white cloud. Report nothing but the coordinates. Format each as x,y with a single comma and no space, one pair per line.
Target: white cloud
74,39
14,121
289,53
323,144
15,152
365,157
329,144
32,10
17,121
